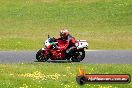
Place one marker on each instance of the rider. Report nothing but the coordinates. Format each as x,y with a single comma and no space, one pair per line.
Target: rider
69,41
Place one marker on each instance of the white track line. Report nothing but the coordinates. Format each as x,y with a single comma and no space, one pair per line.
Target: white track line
91,50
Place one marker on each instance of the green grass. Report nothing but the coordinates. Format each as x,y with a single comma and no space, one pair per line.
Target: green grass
106,24
25,24
57,75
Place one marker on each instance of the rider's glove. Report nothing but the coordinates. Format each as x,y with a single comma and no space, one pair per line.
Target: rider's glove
56,47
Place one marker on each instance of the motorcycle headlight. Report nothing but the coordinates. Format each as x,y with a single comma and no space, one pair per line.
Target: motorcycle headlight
46,43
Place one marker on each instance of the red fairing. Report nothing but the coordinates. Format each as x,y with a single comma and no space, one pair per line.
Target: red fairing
57,54
49,46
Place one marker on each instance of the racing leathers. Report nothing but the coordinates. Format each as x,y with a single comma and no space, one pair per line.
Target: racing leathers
68,44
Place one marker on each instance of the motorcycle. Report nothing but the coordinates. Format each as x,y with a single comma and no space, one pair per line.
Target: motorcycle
51,52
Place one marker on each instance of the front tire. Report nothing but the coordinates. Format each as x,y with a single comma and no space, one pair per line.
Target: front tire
79,56
40,56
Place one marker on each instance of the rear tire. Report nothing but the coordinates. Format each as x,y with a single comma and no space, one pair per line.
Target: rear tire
79,56
40,56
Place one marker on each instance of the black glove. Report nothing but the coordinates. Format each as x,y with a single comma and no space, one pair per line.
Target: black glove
55,46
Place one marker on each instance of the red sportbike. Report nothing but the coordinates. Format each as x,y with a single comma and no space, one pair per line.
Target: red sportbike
51,52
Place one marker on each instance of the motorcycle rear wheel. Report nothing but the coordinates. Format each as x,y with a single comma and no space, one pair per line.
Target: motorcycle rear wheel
79,56
40,56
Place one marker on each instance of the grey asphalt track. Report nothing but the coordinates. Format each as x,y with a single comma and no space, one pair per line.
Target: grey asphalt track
99,56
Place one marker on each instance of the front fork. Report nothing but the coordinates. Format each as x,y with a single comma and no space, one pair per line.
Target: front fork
46,53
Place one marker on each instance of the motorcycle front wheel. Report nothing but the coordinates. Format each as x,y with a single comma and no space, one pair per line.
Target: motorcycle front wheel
40,56
78,56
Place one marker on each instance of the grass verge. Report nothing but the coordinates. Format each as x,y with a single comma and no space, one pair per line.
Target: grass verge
106,24
57,75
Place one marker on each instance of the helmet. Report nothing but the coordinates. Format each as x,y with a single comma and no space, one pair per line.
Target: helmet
64,33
